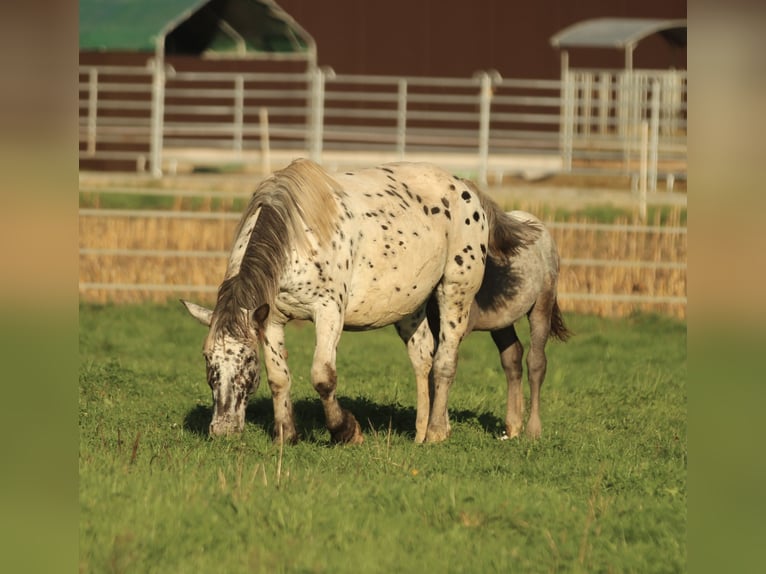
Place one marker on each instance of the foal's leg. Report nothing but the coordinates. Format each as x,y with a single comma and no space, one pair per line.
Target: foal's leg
275,358
454,314
340,422
511,351
417,336
537,363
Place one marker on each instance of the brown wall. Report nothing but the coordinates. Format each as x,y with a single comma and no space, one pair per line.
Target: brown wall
457,37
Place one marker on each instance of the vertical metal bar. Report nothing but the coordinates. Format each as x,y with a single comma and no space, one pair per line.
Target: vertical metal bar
587,103
158,114
239,112
567,115
263,115
604,101
485,102
654,133
401,119
629,116
92,109
642,171
317,114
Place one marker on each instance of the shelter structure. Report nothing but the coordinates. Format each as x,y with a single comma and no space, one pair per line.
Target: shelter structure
617,33
208,29
598,104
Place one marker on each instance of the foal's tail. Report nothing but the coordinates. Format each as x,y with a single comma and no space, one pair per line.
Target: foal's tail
507,235
558,328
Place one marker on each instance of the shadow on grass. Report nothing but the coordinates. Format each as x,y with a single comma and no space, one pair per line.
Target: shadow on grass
309,417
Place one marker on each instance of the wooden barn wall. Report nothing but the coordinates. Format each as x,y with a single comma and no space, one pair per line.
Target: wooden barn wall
457,37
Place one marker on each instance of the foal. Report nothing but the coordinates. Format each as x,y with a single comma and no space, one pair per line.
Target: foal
517,282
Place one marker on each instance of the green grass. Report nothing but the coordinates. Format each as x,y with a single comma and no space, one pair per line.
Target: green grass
603,490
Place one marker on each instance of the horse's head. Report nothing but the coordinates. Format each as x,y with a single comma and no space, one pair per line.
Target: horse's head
233,366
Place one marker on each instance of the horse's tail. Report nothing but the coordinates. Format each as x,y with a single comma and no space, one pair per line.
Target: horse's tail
558,329
506,234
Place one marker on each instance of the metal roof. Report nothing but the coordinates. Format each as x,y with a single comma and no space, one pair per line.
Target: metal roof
239,28
618,32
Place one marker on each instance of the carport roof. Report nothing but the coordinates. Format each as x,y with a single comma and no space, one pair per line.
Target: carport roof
237,28
620,33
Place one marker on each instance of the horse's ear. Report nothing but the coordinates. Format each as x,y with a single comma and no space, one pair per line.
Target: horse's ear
260,315
202,314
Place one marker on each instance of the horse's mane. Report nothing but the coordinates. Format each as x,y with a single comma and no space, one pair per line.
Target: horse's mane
293,200
506,234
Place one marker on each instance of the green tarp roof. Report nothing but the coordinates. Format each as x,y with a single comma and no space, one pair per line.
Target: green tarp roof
233,27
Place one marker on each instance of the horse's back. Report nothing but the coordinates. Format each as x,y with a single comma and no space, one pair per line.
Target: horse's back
406,228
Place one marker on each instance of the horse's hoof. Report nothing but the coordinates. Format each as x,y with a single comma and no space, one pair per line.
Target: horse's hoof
534,433
349,432
437,435
285,438
534,428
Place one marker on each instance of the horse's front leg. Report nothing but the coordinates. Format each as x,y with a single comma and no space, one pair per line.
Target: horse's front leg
340,422
275,358
415,333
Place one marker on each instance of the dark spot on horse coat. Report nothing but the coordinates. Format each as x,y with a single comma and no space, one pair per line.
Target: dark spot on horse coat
425,209
435,210
476,216
500,283
466,195
458,259
445,201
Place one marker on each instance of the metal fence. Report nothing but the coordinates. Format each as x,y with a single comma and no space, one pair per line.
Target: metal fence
591,121
137,255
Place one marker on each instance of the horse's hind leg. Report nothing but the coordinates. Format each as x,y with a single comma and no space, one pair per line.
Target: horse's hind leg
537,363
340,422
415,333
511,352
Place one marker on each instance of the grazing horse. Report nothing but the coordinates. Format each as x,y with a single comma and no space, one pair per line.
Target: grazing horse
520,281
355,250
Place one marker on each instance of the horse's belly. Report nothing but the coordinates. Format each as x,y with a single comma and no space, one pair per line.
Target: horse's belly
504,315
383,295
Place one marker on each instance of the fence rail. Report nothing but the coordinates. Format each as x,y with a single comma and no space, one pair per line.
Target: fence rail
589,121
150,254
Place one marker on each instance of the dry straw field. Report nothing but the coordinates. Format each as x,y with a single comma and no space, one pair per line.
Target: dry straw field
599,273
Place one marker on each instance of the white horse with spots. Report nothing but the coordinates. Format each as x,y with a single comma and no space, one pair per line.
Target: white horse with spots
355,250
520,280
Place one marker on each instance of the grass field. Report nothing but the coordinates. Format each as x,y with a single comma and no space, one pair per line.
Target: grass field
604,490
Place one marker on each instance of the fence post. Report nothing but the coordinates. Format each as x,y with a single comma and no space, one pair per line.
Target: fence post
485,104
158,115
92,109
239,111
317,114
642,171
263,116
401,119
654,134
566,129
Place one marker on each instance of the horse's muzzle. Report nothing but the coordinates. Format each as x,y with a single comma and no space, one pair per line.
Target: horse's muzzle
224,426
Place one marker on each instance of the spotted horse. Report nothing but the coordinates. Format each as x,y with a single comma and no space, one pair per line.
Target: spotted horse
355,250
519,280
